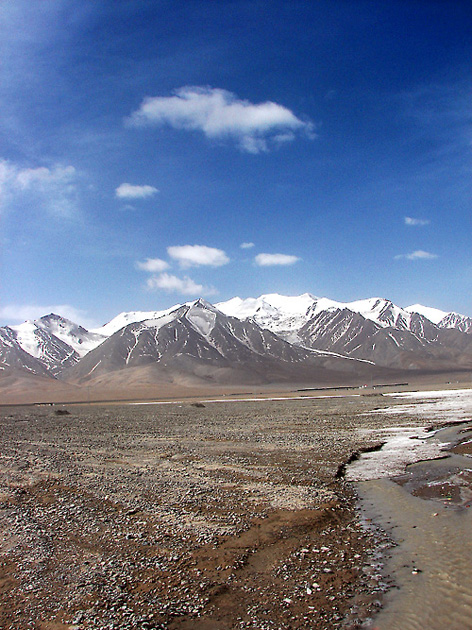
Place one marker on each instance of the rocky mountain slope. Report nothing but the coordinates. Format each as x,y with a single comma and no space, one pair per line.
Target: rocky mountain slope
264,339
374,329
53,341
13,357
197,340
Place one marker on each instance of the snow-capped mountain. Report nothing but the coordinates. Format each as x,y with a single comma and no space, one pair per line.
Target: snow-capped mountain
397,346
433,314
73,335
287,315
459,322
281,314
197,340
80,339
55,342
269,337
13,357
130,317
443,319
373,329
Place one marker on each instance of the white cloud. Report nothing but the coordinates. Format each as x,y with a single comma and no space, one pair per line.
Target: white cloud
246,245
197,256
418,222
173,284
219,114
31,177
18,313
153,265
130,191
53,188
269,260
419,254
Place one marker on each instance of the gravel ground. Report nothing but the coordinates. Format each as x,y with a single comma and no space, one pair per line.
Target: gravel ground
187,516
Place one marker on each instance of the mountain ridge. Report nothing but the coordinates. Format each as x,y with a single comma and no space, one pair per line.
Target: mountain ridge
200,340
254,340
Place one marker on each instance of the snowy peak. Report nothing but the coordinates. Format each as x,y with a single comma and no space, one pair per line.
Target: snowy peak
129,317
285,315
34,335
44,346
54,342
443,319
384,313
268,328
266,305
80,339
433,314
379,310
454,320
281,314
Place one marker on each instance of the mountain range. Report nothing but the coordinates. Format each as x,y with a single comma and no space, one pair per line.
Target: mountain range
269,339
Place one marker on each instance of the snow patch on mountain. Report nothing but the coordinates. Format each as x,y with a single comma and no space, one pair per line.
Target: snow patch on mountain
131,317
454,320
157,323
286,315
27,338
34,336
202,319
433,314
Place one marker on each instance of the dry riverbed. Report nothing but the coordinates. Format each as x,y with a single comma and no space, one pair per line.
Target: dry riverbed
215,516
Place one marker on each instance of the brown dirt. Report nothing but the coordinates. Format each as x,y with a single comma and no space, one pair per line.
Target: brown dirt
218,517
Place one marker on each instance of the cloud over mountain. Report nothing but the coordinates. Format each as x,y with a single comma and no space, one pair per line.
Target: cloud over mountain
173,284
197,256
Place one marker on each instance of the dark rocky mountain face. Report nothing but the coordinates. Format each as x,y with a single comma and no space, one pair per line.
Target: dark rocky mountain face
200,340
53,354
456,321
49,345
419,344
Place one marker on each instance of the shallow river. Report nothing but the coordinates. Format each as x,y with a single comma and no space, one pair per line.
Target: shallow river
428,512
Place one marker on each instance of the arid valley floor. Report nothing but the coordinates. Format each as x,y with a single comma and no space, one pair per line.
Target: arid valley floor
192,515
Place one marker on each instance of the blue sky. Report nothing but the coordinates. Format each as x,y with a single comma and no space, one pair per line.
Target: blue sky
152,152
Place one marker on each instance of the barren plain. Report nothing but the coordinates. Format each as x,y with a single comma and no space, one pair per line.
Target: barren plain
194,515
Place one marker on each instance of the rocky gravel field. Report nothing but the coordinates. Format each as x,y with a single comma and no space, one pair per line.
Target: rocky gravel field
198,516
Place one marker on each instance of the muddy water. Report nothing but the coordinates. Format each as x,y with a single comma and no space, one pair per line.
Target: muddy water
428,512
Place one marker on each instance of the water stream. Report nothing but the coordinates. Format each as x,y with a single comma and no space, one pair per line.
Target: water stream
427,510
